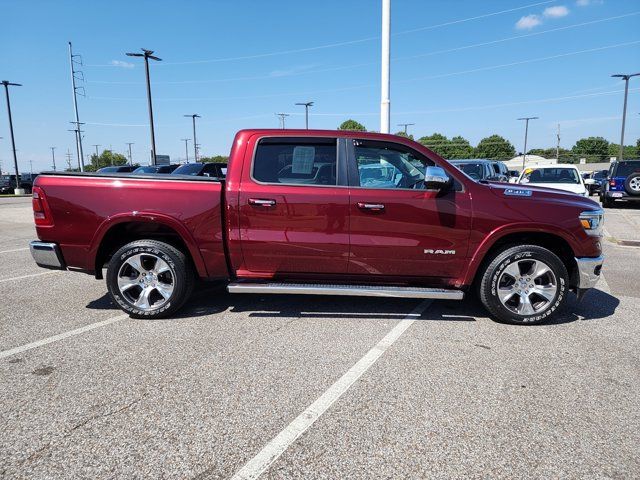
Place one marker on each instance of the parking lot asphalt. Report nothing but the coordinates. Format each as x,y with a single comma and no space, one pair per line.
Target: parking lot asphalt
324,387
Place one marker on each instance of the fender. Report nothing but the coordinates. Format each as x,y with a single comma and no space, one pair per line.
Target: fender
489,240
150,217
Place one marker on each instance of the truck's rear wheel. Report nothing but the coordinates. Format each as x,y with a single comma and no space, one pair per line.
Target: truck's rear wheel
149,279
524,285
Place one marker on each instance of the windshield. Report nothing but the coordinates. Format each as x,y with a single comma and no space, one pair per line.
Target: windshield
550,175
624,169
473,170
188,169
145,170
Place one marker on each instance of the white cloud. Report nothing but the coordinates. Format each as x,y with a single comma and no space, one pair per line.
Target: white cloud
585,3
528,22
556,12
121,64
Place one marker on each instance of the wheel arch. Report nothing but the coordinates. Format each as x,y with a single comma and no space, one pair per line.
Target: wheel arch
120,230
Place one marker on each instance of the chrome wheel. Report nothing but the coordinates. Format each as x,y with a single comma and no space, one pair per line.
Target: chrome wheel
527,287
146,281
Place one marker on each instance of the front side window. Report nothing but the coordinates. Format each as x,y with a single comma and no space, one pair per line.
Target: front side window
474,170
386,165
550,175
294,161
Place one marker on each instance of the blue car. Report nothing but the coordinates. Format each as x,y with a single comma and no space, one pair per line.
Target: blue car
622,183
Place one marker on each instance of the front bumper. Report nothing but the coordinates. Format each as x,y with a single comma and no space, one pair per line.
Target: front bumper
47,255
589,271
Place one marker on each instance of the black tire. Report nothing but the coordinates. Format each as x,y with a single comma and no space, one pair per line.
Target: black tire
632,184
179,276
543,309
607,202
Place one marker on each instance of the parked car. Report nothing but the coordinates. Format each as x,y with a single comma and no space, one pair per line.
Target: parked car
8,183
483,169
622,183
156,169
295,216
593,181
218,170
557,176
117,169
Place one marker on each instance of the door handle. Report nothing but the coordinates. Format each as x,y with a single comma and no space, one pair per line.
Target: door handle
262,202
372,207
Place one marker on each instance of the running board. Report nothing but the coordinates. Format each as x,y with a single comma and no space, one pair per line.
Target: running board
348,290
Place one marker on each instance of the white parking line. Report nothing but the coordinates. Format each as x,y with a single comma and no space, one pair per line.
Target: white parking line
276,447
61,336
48,272
15,250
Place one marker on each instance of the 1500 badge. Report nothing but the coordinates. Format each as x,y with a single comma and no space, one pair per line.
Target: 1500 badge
518,192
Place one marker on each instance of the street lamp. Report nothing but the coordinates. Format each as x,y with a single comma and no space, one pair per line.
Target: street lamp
306,112
148,54
7,84
195,142
526,132
624,108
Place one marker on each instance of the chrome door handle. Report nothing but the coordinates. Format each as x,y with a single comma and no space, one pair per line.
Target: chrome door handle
262,202
373,207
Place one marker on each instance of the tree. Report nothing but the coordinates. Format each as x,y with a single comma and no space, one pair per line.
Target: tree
630,151
495,147
564,154
215,159
460,148
594,149
105,159
352,125
437,143
402,134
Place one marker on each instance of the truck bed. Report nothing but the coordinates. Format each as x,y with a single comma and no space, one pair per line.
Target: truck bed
91,209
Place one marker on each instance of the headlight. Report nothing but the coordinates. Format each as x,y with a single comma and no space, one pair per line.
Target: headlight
592,222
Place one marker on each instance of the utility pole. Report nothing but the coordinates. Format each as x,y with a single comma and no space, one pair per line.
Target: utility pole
624,108
148,54
74,91
385,101
53,157
405,125
7,84
306,112
78,132
282,117
130,157
1,160
195,142
69,156
526,132
558,144
186,148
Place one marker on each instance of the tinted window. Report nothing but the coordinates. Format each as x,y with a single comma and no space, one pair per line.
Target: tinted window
388,165
550,175
296,161
188,169
475,171
624,169
145,170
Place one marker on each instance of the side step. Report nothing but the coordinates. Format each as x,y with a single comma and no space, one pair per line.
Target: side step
349,290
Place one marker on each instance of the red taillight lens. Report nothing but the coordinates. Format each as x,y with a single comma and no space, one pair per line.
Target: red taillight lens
612,182
41,212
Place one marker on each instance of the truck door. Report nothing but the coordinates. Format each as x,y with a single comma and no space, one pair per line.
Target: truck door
397,228
294,206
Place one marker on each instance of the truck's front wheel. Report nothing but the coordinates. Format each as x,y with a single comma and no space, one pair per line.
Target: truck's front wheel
525,284
149,279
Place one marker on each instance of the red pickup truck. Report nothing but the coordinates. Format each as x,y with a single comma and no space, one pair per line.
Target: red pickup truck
322,213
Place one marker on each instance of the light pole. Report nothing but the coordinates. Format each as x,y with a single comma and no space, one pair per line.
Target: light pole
282,117
186,148
148,54
385,77
195,142
624,108
526,133
7,84
130,156
405,125
53,157
306,112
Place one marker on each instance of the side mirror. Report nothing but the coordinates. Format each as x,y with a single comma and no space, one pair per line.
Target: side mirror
435,179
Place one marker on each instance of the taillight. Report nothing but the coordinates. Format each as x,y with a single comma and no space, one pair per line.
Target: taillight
41,212
612,183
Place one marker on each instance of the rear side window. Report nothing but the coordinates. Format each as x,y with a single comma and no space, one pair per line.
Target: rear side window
624,169
296,161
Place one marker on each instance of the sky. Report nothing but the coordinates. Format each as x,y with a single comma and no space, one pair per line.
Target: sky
458,67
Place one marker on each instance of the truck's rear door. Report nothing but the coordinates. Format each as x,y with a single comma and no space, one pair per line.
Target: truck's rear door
294,206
